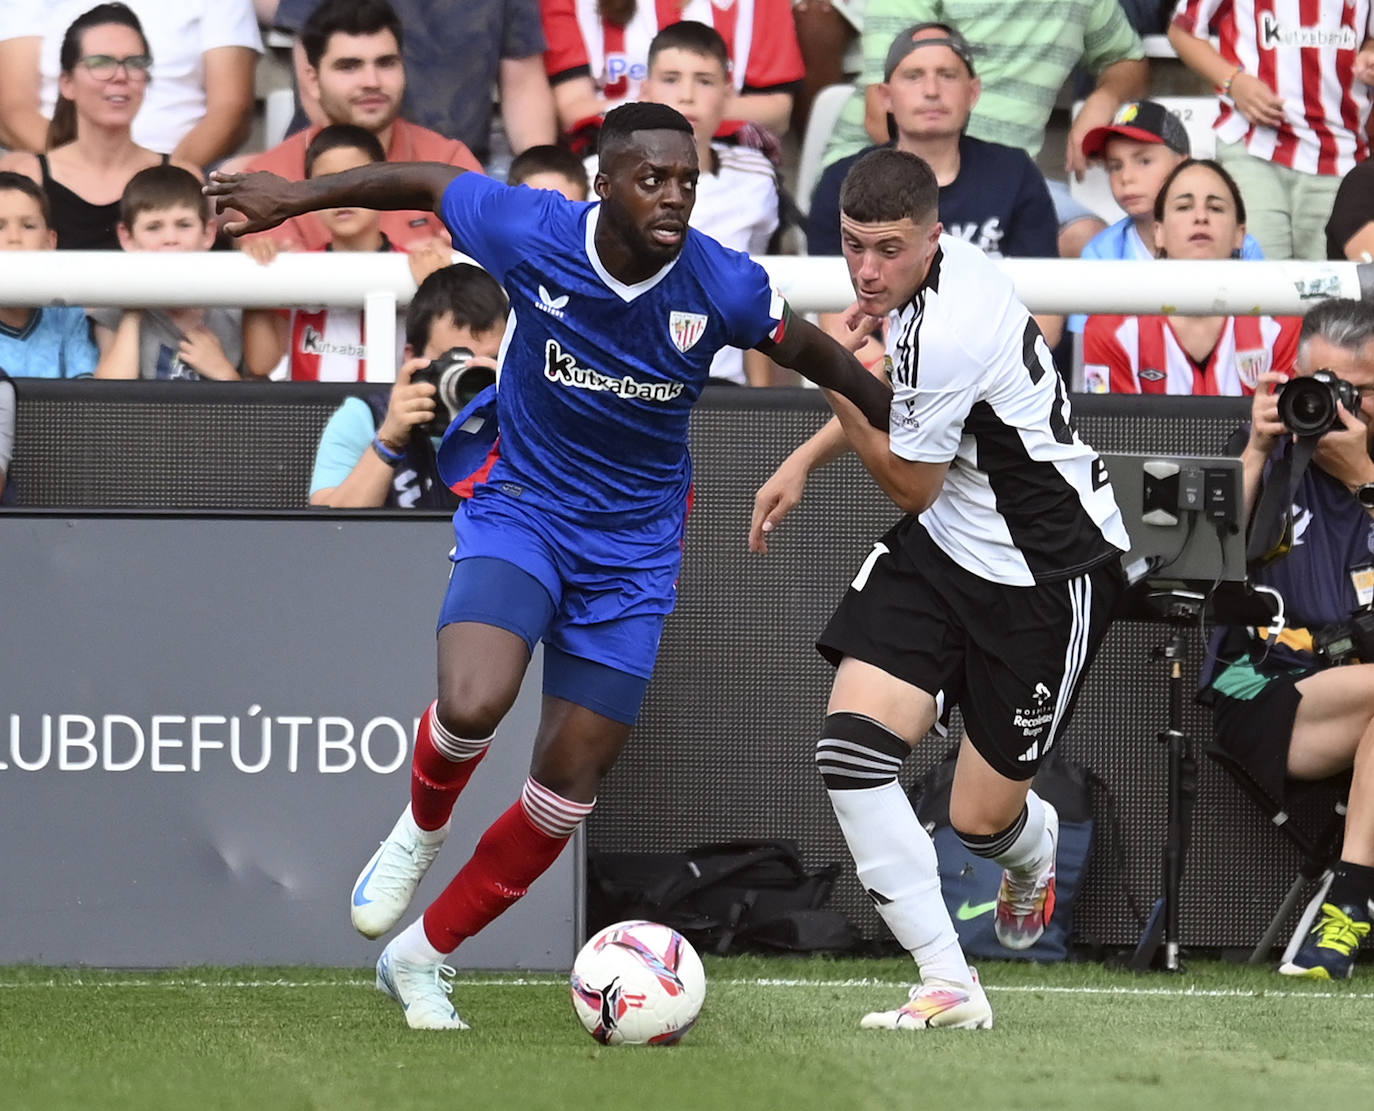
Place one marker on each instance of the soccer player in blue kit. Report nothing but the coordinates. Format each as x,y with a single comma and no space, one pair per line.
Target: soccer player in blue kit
575,539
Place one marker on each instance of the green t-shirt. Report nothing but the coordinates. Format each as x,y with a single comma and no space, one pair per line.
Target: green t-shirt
1023,52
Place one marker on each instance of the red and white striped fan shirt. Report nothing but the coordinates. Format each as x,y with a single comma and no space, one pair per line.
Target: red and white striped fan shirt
759,34
1305,51
1141,354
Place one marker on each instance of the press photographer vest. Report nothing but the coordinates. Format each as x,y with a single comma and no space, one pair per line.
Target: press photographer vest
1332,536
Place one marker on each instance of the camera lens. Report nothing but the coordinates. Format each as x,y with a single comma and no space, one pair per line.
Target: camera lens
472,381
1307,406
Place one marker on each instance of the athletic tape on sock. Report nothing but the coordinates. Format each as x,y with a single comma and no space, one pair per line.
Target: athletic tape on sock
855,753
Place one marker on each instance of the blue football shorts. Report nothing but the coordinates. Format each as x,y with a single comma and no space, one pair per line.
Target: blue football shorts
597,598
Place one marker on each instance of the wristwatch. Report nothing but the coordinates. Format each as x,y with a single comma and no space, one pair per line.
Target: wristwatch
1364,494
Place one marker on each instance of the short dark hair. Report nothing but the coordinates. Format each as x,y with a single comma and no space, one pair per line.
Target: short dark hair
1216,168
1341,321
11,182
888,185
347,17
694,37
339,136
160,187
547,158
621,123
466,292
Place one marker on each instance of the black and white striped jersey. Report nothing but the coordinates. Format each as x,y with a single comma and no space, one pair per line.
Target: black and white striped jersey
1025,501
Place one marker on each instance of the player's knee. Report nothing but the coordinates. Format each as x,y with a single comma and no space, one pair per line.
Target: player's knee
855,752
984,833
470,713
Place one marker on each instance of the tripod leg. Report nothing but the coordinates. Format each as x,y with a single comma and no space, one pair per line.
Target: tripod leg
1143,959
1271,934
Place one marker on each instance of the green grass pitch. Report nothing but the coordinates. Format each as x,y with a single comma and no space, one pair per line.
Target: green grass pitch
775,1033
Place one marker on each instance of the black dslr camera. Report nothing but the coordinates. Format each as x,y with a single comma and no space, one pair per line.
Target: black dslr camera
456,382
1347,642
1308,406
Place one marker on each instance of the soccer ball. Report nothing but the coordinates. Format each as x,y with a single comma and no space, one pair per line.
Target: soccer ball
638,983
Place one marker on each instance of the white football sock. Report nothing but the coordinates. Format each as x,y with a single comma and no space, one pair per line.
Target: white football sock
1032,850
896,863
413,946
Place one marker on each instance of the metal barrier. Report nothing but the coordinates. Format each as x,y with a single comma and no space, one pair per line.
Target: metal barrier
380,282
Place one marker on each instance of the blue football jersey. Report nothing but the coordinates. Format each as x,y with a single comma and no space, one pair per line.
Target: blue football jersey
598,377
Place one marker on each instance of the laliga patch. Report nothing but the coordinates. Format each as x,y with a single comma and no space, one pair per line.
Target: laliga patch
686,328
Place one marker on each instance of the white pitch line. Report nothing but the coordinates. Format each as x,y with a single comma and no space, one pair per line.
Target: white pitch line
549,981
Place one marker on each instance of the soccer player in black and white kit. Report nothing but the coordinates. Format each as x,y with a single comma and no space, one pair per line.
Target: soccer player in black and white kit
992,592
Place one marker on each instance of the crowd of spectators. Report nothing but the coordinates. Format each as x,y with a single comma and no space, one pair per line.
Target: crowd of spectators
101,103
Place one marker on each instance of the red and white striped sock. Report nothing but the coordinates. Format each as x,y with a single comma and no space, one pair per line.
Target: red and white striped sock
515,851
440,769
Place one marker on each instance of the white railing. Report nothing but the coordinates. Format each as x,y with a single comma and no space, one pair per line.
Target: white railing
380,282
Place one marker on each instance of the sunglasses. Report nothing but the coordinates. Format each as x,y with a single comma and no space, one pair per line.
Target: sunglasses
103,67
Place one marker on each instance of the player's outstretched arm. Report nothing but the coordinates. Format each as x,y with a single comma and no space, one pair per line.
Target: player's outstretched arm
813,354
266,200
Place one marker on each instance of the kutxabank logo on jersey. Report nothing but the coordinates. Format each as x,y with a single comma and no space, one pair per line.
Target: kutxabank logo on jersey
561,368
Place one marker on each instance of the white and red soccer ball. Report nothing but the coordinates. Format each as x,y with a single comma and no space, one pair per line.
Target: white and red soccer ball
638,983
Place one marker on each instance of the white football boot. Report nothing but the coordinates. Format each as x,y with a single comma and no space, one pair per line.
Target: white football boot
422,990
387,883
937,1003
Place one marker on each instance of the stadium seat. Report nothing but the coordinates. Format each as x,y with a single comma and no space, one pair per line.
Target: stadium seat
1318,848
825,110
1198,113
280,107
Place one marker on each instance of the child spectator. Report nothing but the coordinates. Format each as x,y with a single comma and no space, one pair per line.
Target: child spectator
737,192
163,210
1198,214
49,342
328,345
550,167
597,55
372,453
1140,148
6,436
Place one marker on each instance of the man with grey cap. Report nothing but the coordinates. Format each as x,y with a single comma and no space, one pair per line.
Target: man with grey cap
991,195
1025,52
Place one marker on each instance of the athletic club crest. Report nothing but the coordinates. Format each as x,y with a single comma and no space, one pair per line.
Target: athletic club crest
686,328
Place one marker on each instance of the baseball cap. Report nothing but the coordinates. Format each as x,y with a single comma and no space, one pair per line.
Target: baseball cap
1146,121
906,42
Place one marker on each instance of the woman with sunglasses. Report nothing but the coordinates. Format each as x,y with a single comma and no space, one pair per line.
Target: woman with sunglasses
91,153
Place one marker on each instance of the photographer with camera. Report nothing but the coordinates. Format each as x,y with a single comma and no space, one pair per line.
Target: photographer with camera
1296,701
379,449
